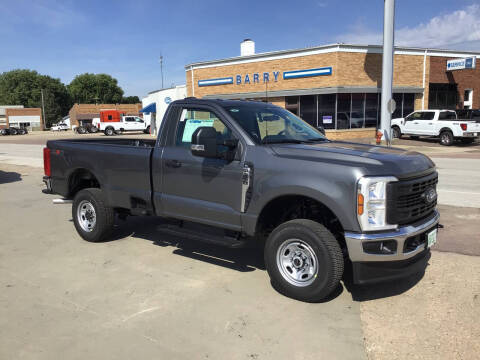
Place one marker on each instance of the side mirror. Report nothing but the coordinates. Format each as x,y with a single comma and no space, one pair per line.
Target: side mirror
204,142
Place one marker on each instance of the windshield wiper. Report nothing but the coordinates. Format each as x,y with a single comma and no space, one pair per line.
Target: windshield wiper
318,139
282,141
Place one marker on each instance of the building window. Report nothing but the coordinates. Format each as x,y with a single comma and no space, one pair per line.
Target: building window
344,103
408,104
326,110
357,117
292,104
308,109
372,113
442,96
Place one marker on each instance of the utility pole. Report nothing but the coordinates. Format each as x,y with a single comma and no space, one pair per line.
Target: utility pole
43,111
161,68
388,104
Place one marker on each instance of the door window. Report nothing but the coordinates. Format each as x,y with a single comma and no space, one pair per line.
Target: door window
192,119
130,119
447,115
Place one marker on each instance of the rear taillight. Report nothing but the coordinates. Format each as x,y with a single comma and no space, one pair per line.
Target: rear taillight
464,127
46,162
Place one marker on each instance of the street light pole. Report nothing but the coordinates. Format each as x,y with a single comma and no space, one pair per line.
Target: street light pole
43,111
161,68
387,70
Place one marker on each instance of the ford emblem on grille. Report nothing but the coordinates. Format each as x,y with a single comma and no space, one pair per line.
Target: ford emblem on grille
429,195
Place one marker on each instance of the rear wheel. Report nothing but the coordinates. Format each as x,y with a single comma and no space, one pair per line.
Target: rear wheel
446,138
109,131
304,260
13,132
92,218
397,134
81,130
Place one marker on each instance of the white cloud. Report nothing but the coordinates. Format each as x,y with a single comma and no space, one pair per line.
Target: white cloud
459,29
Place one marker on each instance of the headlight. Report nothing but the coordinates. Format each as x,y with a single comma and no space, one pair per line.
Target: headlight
372,203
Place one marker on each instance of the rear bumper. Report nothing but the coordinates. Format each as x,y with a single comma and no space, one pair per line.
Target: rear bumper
471,134
410,255
48,182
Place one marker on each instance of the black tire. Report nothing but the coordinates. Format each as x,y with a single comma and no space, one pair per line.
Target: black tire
104,216
468,140
109,131
81,130
13,132
446,138
313,237
396,133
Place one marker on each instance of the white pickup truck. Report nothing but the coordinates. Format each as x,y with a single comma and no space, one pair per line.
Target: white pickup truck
128,123
436,123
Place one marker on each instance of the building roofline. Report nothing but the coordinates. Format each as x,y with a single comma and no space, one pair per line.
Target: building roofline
173,87
332,47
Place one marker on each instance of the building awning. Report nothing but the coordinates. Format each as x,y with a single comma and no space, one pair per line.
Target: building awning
150,108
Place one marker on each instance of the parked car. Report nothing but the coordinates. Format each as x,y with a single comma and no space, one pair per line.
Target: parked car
14,131
59,127
436,123
215,174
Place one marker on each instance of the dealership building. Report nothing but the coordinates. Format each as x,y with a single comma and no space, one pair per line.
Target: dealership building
338,86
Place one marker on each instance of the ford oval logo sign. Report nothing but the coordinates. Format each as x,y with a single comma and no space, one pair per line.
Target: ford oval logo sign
430,195
168,100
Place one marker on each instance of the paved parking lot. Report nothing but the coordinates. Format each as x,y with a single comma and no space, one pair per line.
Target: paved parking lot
144,295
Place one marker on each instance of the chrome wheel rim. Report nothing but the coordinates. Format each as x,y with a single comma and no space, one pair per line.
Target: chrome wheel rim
86,216
445,139
297,262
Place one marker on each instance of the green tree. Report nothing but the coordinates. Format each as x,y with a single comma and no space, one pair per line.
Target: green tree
130,100
95,88
23,87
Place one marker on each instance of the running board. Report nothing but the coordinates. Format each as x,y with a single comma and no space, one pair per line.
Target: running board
228,241
62,201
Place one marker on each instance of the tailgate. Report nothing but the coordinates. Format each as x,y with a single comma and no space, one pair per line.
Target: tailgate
473,127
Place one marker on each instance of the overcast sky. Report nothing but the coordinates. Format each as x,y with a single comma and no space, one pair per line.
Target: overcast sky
125,38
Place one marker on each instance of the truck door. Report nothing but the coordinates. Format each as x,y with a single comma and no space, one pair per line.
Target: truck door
195,188
417,123
129,123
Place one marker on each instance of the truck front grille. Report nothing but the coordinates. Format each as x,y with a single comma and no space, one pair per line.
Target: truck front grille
407,200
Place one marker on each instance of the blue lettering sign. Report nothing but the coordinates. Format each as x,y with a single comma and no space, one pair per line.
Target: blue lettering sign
265,77
275,75
239,79
255,78
247,79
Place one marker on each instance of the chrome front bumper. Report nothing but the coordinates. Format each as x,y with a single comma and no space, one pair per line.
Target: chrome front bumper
355,241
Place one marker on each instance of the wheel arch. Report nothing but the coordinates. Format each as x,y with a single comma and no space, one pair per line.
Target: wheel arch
81,178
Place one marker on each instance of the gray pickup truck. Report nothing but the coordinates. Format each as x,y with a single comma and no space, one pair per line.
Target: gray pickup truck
241,172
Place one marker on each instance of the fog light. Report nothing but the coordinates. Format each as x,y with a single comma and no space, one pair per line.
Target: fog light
388,247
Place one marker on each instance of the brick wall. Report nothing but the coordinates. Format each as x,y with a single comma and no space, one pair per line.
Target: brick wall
23,112
349,69
466,79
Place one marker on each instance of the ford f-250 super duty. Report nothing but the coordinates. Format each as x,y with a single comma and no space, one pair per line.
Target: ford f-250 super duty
234,172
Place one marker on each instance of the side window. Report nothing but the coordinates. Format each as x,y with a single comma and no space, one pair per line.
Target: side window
447,115
129,119
191,119
426,115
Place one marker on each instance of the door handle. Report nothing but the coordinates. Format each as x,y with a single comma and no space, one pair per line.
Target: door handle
415,122
173,163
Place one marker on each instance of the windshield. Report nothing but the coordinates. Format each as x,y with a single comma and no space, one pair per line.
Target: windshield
268,124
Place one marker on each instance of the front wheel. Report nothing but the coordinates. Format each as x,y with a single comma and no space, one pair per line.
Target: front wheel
397,134
304,260
109,131
92,218
446,138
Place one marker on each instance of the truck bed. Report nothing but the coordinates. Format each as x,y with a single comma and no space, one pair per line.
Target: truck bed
120,166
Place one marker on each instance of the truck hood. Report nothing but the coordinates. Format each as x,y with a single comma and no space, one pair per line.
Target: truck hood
374,160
